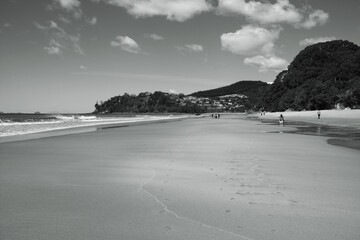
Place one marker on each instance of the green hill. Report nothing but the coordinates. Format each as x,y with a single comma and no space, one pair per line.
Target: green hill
247,88
320,76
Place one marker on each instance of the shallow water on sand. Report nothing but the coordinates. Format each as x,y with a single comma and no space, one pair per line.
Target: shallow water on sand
339,136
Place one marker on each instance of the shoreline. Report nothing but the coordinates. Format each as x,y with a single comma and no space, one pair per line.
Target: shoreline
84,129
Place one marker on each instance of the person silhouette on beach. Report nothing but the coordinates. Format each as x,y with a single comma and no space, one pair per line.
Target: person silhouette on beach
318,113
281,118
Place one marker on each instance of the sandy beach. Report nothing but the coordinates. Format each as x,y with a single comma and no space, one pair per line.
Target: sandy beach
201,178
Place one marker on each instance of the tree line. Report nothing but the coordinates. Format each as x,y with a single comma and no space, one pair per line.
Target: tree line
146,102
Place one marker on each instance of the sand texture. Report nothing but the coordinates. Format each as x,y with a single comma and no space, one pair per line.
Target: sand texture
203,178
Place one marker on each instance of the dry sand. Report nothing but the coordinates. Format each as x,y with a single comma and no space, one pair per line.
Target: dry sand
203,178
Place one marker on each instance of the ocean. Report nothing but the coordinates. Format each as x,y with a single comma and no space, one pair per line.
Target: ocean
21,124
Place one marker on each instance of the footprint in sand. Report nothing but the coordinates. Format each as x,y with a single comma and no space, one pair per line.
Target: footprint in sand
292,201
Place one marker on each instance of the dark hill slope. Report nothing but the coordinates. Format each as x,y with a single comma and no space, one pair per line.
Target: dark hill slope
247,88
319,77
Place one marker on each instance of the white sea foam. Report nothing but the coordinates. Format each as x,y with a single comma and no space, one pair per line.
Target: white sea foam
59,122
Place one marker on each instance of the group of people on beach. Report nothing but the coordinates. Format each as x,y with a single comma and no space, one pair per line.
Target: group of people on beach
216,115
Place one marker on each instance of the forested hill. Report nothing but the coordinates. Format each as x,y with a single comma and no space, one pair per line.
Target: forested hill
320,76
204,101
247,88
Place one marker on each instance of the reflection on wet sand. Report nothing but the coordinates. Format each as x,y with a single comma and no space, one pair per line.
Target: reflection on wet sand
338,136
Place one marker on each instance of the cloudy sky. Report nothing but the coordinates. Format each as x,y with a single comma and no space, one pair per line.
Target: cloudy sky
64,55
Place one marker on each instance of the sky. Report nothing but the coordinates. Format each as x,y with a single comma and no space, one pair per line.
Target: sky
64,55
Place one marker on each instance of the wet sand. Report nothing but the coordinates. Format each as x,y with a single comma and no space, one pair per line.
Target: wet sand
204,178
342,127
340,118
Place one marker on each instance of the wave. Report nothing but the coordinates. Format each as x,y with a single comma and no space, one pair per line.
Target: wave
8,127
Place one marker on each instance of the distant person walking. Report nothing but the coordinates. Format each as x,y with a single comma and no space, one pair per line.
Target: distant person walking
281,119
318,113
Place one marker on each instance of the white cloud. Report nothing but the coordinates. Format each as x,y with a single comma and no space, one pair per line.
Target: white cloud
258,44
69,5
265,13
250,40
54,48
55,26
52,25
311,41
82,67
282,11
172,91
175,10
190,48
92,21
64,19
7,25
126,43
194,47
256,11
75,42
154,36
263,63
317,17
59,38
41,27
72,6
